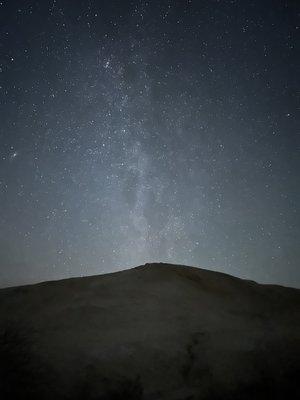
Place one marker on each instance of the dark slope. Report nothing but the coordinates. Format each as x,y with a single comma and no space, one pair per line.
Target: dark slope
158,331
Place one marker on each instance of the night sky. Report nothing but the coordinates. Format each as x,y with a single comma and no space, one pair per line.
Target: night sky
143,131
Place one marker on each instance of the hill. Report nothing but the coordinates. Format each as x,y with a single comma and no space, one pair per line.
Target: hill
158,331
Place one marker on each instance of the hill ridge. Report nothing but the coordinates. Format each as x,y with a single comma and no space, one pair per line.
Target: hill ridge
171,267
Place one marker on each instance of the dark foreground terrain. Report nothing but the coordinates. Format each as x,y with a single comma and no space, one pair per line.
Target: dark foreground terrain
158,331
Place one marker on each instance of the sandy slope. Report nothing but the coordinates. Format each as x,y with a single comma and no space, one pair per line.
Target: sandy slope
158,331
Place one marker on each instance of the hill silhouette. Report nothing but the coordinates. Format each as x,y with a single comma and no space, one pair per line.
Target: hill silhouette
158,331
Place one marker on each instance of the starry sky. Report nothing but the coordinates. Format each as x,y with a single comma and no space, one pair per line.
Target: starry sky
142,131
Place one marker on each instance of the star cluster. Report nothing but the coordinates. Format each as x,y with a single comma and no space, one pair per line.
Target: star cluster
140,131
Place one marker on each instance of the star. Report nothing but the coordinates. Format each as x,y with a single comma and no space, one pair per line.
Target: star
14,155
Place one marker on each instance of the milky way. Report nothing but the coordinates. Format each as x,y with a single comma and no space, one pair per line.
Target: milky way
140,131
